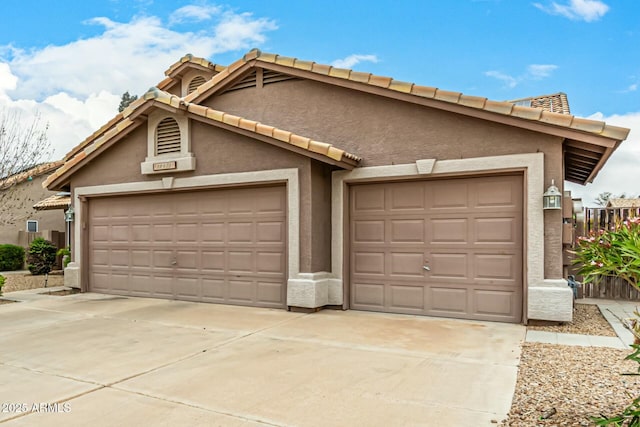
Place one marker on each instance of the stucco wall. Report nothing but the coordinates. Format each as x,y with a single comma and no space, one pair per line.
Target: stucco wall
385,131
18,208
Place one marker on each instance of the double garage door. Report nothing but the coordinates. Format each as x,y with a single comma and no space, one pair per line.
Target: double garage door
225,246
450,248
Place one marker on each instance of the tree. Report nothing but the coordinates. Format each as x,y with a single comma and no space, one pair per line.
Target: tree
603,198
23,145
126,100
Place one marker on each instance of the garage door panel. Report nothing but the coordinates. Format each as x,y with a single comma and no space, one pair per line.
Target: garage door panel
213,290
368,262
269,262
449,194
495,303
120,258
448,301
450,230
242,291
495,230
370,200
240,232
407,230
100,233
224,245
140,233
496,266
163,233
496,194
212,232
100,257
448,266
368,295
406,264
270,232
406,297
368,232
472,244
269,293
407,197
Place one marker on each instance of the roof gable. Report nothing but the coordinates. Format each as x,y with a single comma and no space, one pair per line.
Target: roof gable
134,115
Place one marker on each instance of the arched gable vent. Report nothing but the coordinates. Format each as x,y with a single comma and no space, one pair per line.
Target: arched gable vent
167,136
194,83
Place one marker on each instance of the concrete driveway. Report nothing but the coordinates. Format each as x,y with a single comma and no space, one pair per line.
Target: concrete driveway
99,360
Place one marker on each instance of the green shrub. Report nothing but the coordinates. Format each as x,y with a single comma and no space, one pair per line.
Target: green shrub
2,279
11,257
42,256
65,252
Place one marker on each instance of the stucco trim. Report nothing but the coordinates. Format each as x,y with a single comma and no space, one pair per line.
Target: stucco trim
289,176
531,164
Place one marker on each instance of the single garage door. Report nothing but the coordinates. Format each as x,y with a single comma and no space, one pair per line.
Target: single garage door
224,246
450,248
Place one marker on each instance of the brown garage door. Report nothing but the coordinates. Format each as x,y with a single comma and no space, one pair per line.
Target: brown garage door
449,248
225,246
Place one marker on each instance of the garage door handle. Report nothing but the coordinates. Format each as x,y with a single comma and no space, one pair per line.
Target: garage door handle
174,262
426,267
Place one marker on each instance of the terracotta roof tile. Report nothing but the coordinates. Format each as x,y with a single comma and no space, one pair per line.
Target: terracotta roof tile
300,141
319,68
587,125
230,119
357,76
555,103
341,73
303,65
423,91
380,81
526,112
286,61
265,130
32,172
400,86
56,201
448,96
558,119
189,58
248,124
623,203
472,101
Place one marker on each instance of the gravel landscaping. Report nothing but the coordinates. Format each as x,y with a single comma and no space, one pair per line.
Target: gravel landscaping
21,281
565,385
587,320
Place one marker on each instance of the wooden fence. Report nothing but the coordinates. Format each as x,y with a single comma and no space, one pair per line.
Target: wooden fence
606,218
609,288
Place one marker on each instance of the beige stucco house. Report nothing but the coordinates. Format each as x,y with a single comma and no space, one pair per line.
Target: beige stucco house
277,182
17,214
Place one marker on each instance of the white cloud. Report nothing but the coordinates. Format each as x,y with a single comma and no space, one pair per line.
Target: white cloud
508,80
77,86
621,173
353,60
534,72
540,71
193,13
577,10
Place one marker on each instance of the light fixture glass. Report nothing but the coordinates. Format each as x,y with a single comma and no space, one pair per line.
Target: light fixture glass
69,214
552,198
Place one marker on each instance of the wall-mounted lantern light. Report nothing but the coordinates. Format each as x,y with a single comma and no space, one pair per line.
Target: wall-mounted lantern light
552,198
69,214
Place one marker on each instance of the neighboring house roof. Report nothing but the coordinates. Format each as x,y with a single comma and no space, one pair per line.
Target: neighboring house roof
623,203
32,172
587,143
555,103
57,201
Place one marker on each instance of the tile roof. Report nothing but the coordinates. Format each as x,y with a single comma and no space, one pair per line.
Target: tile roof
555,103
623,203
156,95
33,172
500,107
56,201
174,69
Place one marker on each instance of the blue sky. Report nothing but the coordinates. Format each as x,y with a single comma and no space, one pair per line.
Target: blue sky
71,60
